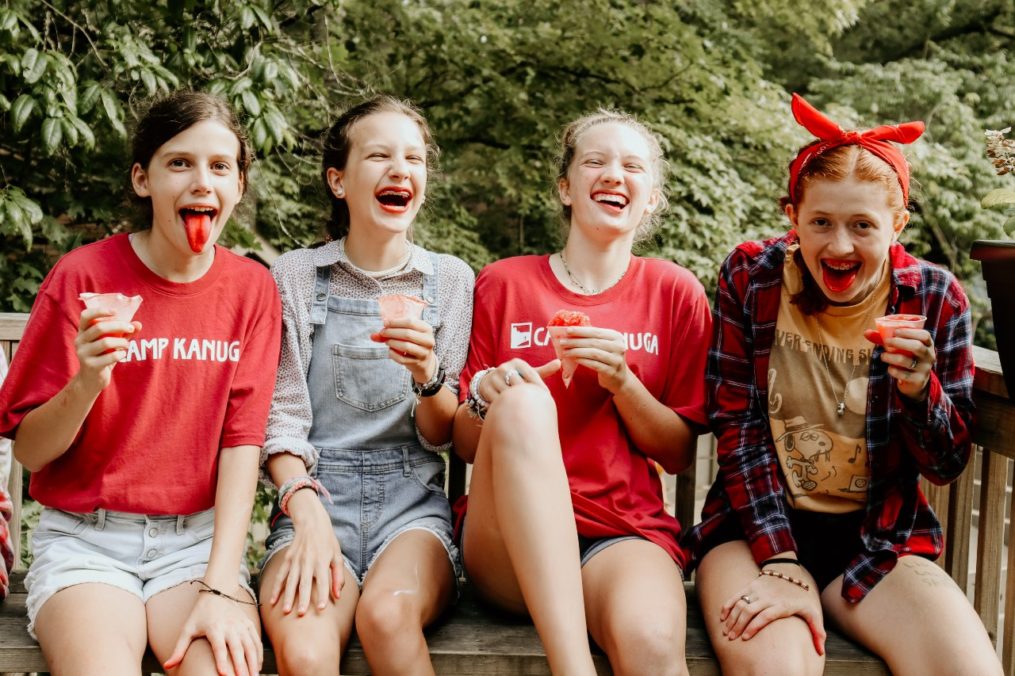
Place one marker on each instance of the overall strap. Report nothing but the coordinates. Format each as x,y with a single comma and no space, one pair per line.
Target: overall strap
431,292
319,303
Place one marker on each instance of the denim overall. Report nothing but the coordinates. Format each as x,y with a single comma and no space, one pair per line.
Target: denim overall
382,481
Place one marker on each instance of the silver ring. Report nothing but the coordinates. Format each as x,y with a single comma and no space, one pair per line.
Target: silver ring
912,364
746,599
507,377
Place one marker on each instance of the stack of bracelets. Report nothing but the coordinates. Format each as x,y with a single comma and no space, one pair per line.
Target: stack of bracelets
475,401
286,491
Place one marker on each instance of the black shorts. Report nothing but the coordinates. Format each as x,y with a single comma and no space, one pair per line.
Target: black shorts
826,543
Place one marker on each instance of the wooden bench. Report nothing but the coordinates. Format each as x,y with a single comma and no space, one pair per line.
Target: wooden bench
474,639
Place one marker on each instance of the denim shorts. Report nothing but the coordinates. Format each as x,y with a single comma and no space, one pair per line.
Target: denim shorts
144,555
376,496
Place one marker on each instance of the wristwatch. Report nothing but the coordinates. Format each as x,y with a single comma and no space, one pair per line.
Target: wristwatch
432,386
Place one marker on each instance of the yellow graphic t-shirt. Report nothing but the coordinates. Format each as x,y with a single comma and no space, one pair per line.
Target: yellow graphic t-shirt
817,396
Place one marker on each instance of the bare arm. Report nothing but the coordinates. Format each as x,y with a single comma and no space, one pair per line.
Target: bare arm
48,431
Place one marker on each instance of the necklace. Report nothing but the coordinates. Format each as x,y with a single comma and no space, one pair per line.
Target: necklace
840,407
584,289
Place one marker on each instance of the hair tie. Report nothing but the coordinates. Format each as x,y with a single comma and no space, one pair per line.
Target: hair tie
830,135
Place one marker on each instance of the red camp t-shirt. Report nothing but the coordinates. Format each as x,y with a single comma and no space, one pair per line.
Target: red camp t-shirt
197,378
662,310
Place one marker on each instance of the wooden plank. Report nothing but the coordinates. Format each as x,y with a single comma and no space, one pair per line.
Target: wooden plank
989,377
15,490
471,640
990,541
1008,640
12,325
683,507
960,528
995,427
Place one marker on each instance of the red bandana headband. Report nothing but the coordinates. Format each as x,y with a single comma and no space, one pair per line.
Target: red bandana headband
831,135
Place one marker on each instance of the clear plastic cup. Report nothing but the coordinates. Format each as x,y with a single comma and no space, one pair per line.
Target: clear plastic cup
889,324
123,307
568,365
399,306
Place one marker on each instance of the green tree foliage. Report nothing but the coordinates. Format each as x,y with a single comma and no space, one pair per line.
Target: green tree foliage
497,80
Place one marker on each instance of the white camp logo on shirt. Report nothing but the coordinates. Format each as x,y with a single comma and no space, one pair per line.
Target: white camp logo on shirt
186,349
522,336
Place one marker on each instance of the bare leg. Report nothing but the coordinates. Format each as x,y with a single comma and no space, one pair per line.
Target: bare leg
408,587
92,629
782,648
312,644
167,611
918,620
636,609
520,542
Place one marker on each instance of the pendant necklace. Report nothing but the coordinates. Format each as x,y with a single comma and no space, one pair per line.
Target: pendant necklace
584,289
840,407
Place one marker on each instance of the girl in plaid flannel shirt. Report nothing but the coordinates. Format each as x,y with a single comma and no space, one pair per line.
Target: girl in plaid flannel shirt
817,504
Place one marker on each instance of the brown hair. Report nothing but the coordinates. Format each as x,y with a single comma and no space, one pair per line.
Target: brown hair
838,164
569,142
338,143
170,115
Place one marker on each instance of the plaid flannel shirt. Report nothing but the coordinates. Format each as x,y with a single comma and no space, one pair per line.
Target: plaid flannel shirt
904,438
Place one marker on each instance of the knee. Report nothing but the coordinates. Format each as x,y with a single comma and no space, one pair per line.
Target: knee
520,408
308,657
648,648
385,616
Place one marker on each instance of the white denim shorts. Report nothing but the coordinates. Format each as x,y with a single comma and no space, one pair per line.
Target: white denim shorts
144,555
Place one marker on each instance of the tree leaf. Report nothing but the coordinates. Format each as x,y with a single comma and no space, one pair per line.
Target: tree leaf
149,81
21,110
998,197
31,208
251,103
34,72
89,97
52,134
87,136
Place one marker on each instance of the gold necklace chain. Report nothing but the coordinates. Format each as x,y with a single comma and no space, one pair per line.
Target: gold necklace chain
584,289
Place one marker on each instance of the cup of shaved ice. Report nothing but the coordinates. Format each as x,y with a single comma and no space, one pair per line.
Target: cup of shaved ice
399,306
123,307
889,324
557,326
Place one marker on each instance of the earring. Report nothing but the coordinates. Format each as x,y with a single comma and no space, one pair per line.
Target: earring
340,192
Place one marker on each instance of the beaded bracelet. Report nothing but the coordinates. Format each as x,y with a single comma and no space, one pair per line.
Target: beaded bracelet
286,490
205,587
800,583
777,559
478,406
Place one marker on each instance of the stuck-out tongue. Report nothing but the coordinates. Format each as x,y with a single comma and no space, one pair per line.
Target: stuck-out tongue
838,281
198,230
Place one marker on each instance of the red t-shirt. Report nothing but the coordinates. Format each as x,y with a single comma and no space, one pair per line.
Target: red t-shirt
664,313
197,378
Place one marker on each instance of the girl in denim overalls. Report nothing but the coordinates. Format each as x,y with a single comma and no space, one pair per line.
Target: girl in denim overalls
362,530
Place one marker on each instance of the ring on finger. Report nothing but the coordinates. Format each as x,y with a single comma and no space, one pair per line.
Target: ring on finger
912,364
746,599
507,377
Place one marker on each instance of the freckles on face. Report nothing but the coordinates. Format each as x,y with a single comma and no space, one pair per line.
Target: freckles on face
845,229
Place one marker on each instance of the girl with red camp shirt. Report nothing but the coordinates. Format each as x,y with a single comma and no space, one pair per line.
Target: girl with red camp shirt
824,428
565,514
143,438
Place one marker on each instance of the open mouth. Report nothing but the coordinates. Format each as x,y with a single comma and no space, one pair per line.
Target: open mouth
395,200
612,201
197,223
839,275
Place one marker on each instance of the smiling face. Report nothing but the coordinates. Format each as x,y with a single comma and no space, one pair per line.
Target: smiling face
384,179
610,183
194,181
846,227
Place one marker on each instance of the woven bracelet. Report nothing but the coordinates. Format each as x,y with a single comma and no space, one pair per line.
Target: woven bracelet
205,587
800,583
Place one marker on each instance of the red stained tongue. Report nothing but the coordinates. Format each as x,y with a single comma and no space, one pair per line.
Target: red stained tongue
198,230
838,280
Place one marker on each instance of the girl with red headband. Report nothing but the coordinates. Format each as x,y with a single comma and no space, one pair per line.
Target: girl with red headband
824,428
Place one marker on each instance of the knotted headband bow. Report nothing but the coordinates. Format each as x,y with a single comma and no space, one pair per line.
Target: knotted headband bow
831,135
